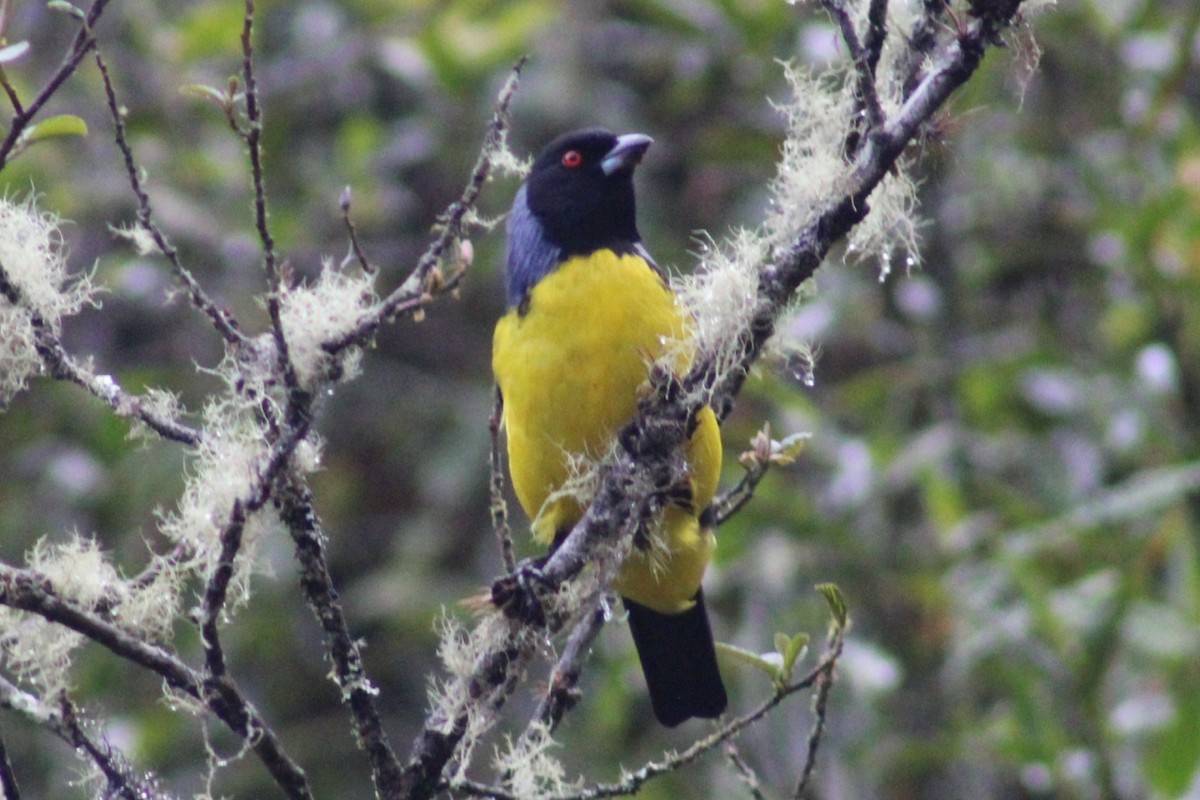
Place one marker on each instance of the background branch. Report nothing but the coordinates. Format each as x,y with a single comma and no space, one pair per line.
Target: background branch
25,115
412,292
221,318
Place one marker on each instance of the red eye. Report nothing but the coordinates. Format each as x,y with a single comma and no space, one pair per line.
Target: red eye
572,159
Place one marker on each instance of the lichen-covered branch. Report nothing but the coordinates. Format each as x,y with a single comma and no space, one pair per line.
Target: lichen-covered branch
633,781
496,502
59,364
64,720
562,691
26,590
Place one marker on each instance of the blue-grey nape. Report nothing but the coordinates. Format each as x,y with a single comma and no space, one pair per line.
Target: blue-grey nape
531,256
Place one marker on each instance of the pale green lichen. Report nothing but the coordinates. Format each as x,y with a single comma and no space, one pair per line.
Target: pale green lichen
34,263
316,314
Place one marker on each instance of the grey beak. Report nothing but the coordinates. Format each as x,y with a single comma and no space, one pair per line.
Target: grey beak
626,153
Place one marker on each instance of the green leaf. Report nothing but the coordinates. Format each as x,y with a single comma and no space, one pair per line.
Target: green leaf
1173,760
61,125
13,52
792,648
63,7
770,663
837,603
206,93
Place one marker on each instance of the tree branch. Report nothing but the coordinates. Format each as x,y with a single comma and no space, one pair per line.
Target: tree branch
221,318
26,590
634,781
562,692
863,58
415,291
357,691
59,364
499,507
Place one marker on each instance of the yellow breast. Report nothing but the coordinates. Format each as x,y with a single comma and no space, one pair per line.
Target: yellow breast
570,369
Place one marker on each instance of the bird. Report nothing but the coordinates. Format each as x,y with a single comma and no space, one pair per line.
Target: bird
588,313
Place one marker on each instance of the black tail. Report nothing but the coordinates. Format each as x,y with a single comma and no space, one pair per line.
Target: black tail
679,662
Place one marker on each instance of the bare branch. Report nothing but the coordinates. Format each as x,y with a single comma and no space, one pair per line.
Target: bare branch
415,291
252,134
744,770
734,500
221,318
355,247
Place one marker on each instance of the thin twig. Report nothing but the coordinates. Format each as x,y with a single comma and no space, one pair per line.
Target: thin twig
496,501
875,36
13,98
824,684
60,365
252,135
122,781
63,720
864,66
217,588
221,318
415,292
734,500
744,770
352,233
562,692
633,781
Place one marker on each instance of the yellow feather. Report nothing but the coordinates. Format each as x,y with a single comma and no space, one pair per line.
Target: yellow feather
570,369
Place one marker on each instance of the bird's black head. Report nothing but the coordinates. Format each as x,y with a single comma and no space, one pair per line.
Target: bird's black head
581,190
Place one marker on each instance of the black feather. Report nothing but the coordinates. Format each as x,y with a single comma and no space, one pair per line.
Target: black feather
679,662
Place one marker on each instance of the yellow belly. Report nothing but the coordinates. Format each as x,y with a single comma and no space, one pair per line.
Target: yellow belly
570,370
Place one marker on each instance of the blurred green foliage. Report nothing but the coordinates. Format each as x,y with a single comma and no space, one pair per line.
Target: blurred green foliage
1004,474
